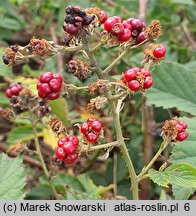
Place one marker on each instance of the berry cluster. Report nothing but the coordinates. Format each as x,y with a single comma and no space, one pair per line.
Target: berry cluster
13,89
91,130
138,79
76,19
181,127
49,86
125,29
66,149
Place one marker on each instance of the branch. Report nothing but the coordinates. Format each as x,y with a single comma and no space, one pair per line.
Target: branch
39,153
109,68
102,146
116,122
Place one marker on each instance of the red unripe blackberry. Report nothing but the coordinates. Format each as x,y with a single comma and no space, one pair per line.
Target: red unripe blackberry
91,137
184,124
69,148
159,51
74,140
58,77
127,24
145,71
96,126
8,93
91,120
125,36
71,158
117,29
179,127
141,37
134,85
84,128
104,17
136,24
148,81
129,75
109,23
53,96
44,89
182,136
49,86
55,85
46,77
13,89
117,18
70,29
60,154
61,141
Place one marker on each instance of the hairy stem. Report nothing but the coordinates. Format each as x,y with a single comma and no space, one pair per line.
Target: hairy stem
113,64
116,121
39,153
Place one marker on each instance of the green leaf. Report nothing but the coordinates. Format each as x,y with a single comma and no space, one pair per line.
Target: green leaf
65,179
81,187
174,86
40,192
21,133
4,101
182,175
12,178
5,70
181,193
191,65
185,152
60,109
159,178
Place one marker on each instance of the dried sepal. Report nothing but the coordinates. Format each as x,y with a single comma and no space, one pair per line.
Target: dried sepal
170,130
100,86
24,101
56,125
95,104
79,69
7,113
41,47
96,12
154,30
